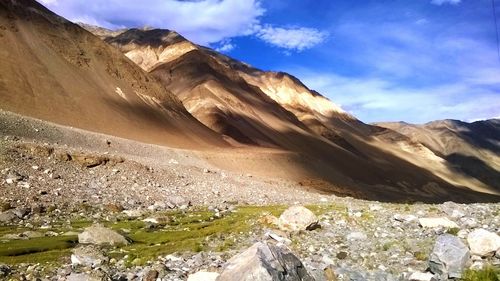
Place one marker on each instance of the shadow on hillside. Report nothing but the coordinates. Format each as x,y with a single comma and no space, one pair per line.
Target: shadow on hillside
485,134
383,177
476,168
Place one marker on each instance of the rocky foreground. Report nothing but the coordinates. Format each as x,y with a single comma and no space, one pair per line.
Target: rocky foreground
71,214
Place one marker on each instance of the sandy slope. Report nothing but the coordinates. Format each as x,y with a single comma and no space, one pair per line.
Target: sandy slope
55,70
273,109
471,148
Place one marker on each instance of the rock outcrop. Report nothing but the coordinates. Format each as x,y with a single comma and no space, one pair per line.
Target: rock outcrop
265,262
449,257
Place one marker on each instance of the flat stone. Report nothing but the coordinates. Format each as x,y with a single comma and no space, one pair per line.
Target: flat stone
437,222
82,277
203,276
422,276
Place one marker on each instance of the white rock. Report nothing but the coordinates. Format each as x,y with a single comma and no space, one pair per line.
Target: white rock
437,222
203,276
327,260
422,276
297,218
483,243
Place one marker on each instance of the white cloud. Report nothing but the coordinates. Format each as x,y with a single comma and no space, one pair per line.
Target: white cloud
441,2
205,22
298,39
202,21
224,46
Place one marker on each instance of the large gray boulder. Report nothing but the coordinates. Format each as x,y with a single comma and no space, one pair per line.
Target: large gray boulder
449,257
297,218
265,262
98,234
483,243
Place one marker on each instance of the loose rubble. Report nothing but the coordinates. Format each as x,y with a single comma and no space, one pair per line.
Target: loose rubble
69,219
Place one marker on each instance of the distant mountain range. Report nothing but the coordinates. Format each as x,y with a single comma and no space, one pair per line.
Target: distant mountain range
155,86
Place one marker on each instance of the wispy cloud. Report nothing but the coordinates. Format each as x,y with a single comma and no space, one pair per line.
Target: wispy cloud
441,2
375,99
224,46
299,38
411,72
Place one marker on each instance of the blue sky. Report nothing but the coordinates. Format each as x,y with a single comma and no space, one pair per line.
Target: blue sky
410,60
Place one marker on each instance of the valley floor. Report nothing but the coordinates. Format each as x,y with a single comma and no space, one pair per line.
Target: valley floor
183,214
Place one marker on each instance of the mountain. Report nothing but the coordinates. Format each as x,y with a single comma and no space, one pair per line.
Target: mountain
156,87
55,70
256,108
470,148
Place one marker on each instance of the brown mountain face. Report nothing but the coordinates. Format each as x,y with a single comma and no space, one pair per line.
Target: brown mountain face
470,148
255,108
247,120
55,70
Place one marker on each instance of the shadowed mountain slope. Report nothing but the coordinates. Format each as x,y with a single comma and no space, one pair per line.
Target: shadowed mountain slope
471,148
255,108
55,70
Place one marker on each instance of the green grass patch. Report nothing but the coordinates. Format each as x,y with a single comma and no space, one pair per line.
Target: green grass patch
488,273
36,250
183,231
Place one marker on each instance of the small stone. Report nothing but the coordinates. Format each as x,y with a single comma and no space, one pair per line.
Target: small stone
4,270
82,277
422,276
21,212
342,255
437,222
404,218
203,276
87,256
150,275
13,177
